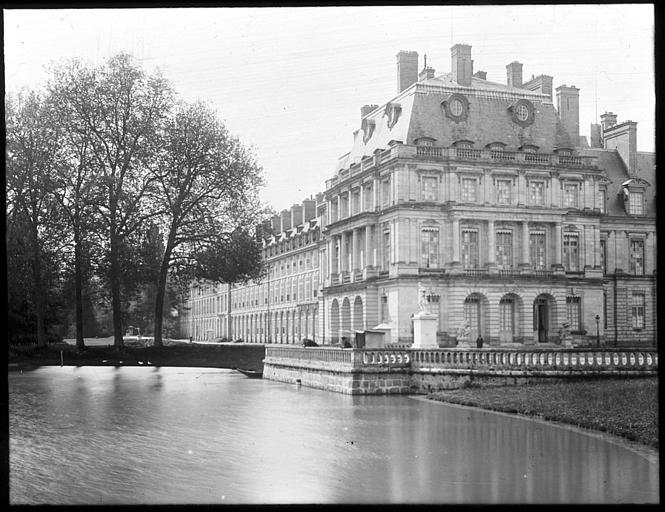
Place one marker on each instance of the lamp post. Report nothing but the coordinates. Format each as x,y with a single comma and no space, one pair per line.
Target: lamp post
597,330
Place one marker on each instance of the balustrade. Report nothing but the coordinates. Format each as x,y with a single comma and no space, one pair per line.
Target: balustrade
472,359
561,359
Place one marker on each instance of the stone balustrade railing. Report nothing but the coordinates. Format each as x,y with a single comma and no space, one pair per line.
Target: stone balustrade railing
445,153
536,360
472,359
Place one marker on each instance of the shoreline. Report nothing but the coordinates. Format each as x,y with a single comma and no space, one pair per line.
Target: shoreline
646,451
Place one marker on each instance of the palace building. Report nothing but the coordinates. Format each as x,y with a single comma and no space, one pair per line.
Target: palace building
481,195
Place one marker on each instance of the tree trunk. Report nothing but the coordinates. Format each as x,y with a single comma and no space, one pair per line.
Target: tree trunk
78,285
39,292
116,302
161,286
159,297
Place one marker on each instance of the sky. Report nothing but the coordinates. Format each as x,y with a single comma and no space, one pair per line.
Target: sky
290,81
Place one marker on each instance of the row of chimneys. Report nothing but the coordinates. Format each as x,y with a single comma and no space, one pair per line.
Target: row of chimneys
462,73
462,70
287,219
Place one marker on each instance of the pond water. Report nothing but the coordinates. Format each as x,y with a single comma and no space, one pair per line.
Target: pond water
149,435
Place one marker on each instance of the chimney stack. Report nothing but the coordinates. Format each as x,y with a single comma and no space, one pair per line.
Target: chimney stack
285,220
541,84
607,120
296,215
461,64
514,72
481,74
309,209
426,73
568,106
595,136
623,138
276,224
407,69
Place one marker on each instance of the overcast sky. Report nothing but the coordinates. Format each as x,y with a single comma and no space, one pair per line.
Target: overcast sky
291,81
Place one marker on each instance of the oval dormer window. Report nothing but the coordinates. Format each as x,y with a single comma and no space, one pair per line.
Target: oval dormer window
456,107
523,112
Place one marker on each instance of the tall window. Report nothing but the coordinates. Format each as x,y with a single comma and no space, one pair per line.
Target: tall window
429,186
570,195
573,310
603,255
537,192
469,252
504,249
503,191
429,255
355,201
570,252
637,257
602,199
344,206
385,191
637,310
636,203
469,188
369,202
386,250
537,250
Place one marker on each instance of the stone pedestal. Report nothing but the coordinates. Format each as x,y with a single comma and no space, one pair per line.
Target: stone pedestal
424,330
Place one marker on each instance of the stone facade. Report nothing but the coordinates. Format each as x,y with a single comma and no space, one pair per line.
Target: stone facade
486,195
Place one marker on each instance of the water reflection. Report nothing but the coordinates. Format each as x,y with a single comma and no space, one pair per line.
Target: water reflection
192,435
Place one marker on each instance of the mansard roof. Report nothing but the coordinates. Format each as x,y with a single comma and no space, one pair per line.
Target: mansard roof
420,113
612,164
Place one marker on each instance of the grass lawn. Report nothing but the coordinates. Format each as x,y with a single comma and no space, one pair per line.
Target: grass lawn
625,407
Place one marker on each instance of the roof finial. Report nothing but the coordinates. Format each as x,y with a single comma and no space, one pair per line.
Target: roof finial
425,61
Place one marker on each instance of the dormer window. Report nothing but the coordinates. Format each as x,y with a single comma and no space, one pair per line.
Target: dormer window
632,192
367,127
523,112
496,146
564,152
463,144
456,107
393,111
425,141
529,148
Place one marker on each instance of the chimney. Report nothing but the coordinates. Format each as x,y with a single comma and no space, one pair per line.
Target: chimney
623,138
296,215
309,209
276,224
595,137
481,74
568,105
541,84
407,69
461,64
285,217
514,72
607,120
426,73
366,109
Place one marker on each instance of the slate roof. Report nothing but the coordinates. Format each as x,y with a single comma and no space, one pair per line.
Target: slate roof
488,120
615,169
